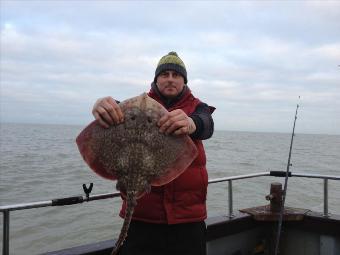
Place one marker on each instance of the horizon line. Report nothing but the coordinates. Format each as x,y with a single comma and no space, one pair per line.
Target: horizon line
218,130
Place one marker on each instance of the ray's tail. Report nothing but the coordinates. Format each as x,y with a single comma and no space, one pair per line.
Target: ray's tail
131,203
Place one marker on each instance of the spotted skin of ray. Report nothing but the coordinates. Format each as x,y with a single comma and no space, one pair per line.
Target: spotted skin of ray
138,150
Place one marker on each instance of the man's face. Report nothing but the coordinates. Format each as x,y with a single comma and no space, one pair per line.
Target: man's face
170,83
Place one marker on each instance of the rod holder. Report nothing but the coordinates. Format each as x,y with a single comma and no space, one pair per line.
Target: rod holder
230,199
5,240
325,198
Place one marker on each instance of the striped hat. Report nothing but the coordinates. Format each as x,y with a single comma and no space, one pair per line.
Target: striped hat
171,62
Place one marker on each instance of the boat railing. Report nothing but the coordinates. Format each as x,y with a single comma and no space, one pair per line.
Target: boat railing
80,199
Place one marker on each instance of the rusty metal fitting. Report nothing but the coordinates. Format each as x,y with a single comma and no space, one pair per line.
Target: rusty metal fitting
275,197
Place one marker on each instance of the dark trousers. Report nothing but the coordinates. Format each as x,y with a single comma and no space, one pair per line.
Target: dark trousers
162,239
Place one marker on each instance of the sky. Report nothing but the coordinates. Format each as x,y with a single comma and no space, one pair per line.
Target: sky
250,60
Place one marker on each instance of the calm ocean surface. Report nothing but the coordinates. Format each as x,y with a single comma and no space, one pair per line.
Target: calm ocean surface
41,162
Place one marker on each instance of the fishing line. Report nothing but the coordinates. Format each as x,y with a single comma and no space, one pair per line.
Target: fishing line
285,186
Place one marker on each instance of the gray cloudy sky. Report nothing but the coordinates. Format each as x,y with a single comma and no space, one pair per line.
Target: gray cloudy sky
251,60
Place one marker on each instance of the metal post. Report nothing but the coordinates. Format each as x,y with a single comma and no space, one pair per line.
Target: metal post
5,244
230,198
325,197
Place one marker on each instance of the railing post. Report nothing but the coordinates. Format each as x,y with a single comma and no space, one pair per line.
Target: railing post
230,198
325,197
5,240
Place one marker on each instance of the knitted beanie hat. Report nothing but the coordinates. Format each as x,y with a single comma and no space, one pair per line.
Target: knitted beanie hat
171,62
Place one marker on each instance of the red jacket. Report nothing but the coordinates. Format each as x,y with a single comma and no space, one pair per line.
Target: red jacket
183,199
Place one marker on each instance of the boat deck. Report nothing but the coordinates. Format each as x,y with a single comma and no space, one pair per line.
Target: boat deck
242,234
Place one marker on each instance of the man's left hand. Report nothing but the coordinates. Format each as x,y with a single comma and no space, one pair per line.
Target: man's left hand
176,122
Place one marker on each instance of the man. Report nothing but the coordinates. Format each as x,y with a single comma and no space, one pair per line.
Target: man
170,219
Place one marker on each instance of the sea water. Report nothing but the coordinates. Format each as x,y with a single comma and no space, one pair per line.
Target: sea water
42,162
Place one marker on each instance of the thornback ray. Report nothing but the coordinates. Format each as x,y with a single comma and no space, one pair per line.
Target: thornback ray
135,153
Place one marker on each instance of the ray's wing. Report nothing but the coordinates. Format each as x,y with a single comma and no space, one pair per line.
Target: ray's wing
87,145
185,152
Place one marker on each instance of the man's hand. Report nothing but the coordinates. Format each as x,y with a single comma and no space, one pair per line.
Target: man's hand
107,112
176,122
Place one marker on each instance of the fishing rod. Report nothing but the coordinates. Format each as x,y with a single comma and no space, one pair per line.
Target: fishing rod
285,186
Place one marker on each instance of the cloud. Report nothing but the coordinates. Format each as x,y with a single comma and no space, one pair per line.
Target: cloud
249,60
